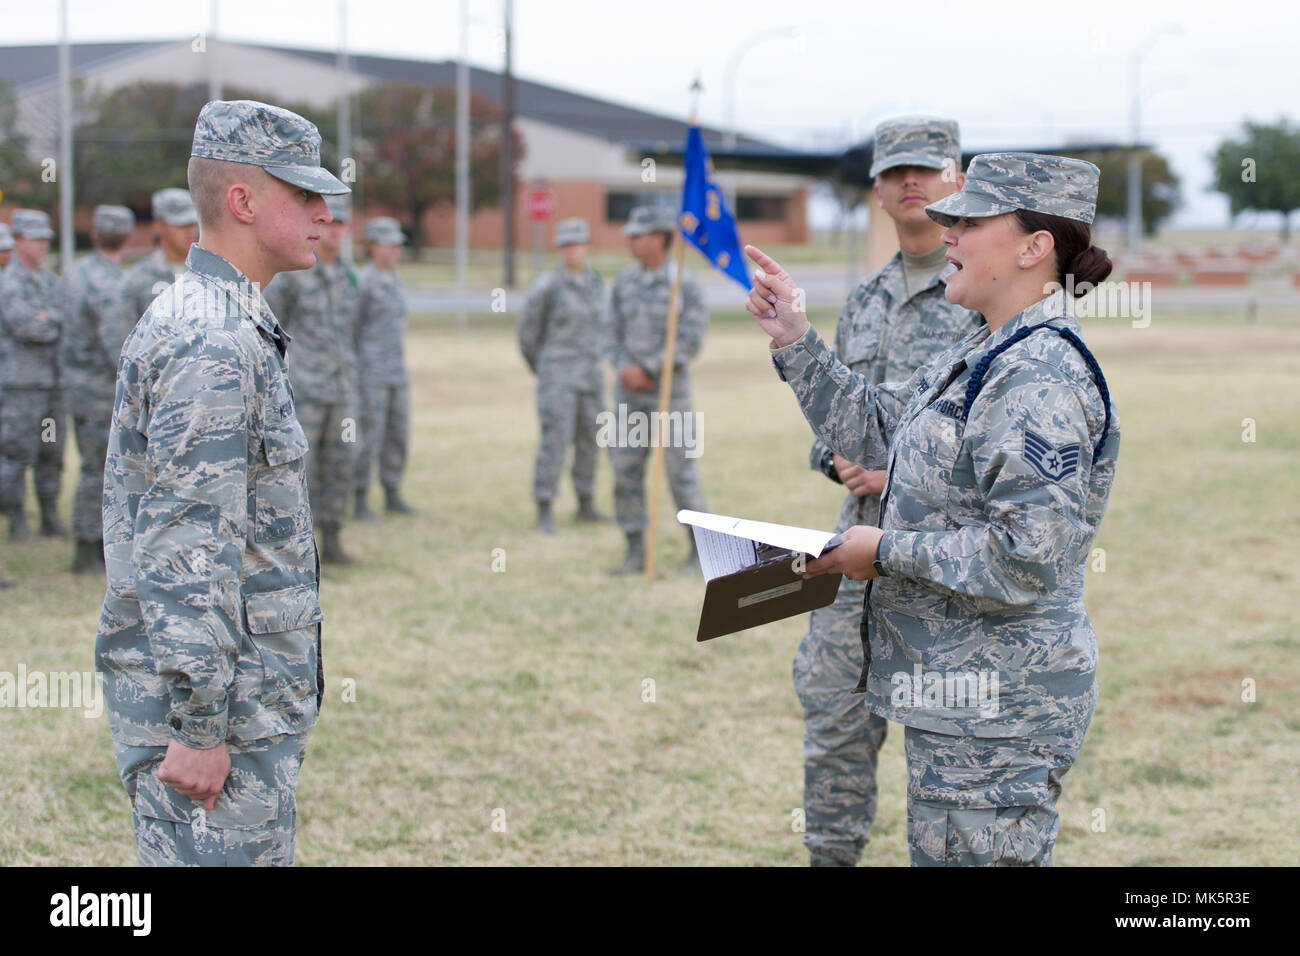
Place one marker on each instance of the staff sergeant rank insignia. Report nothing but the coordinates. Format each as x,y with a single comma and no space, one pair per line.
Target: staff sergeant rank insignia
1052,463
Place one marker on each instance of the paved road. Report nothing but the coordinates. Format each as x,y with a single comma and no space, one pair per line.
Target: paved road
827,286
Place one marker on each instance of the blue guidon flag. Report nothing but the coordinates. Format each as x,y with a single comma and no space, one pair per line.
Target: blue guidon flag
1053,463
704,219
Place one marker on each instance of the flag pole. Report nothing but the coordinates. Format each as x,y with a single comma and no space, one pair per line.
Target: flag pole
666,375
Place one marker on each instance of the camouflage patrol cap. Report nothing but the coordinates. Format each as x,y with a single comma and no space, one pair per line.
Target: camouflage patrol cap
174,207
283,143
650,219
340,207
385,231
998,183
6,237
31,224
926,141
113,221
571,231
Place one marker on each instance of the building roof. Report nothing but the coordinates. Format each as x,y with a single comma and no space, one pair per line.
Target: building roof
26,66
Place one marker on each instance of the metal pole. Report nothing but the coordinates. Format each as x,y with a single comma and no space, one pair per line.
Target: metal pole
66,238
462,167
508,153
345,119
1135,160
214,68
666,372
729,72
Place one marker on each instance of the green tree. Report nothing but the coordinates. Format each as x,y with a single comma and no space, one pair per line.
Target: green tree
136,139
1160,192
406,149
20,175
1261,170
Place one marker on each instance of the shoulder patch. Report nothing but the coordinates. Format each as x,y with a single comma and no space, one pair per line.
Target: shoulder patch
1054,464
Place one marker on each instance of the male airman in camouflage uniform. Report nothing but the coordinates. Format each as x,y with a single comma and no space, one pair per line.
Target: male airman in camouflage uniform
636,324
319,307
559,335
209,637
91,346
177,226
1001,457
385,385
33,313
895,320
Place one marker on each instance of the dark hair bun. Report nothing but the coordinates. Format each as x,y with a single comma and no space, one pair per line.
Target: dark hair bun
1092,265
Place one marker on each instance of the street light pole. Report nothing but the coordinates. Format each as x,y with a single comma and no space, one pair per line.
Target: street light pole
66,237
345,120
729,72
1134,183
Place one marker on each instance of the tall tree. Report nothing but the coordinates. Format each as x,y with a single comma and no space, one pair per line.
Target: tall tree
1160,192
406,149
1261,170
136,139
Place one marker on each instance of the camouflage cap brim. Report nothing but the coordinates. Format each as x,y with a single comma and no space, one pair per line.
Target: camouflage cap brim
924,160
42,232
312,178
967,204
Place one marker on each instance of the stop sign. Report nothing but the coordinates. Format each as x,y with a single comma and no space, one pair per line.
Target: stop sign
540,204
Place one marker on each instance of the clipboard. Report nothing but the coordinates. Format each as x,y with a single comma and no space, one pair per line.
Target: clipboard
749,572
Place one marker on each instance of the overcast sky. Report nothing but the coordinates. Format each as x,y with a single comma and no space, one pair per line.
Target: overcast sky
820,72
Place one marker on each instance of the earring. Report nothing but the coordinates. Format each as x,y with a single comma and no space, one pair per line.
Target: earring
1022,263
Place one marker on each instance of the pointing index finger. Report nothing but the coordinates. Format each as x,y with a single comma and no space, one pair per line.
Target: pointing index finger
764,261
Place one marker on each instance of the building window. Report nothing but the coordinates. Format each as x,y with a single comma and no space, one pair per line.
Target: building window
753,207
619,206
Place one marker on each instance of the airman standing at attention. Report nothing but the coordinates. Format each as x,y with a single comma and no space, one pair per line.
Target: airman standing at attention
209,636
559,335
319,307
636,326
91,346
33,313
385,385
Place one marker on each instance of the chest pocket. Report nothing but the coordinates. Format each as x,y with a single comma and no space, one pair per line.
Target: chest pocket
926,452
281,509
862,344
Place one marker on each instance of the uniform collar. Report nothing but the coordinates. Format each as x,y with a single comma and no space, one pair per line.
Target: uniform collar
239,287
665,271
1049,307
892,278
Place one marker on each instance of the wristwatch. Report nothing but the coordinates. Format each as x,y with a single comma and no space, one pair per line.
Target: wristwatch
827,465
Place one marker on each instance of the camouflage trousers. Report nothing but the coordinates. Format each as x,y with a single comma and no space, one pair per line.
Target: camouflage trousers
629,459
31,436
985,801
567,414
385,429
252,823
332,431
841,738
91,422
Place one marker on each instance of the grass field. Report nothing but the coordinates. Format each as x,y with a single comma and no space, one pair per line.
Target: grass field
515,698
